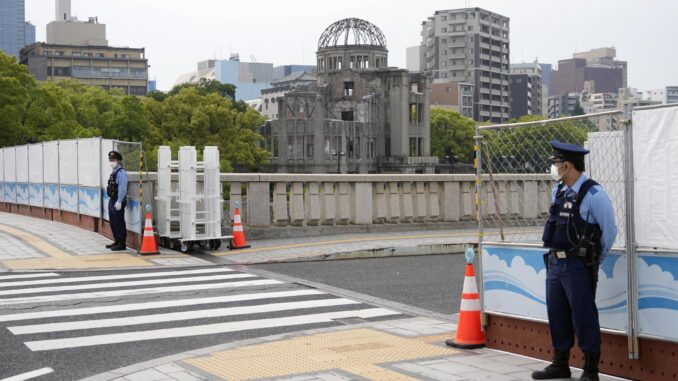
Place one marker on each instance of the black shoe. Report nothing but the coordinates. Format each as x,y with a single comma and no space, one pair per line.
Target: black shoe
559,368
110,245
119,247
591,361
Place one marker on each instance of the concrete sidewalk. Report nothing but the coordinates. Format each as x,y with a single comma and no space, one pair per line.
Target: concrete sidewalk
28,243
406,349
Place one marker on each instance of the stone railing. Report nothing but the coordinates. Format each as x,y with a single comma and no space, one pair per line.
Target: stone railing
298,205
306,200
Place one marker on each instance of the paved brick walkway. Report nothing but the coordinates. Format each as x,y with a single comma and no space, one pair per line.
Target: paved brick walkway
407,349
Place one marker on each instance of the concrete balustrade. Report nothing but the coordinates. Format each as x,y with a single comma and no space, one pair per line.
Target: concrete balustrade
298,205
300,200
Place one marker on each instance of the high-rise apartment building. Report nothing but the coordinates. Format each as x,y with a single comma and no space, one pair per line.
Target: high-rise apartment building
526,89
470,46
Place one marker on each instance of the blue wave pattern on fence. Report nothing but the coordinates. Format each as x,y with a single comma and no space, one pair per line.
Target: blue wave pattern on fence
514,282
658,295
89,201
36,194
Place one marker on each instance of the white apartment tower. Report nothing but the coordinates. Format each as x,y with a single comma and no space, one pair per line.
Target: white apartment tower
470,46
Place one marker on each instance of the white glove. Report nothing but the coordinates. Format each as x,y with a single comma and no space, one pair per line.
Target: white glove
118,205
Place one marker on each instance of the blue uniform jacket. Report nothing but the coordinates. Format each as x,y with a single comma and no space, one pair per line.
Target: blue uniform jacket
598,203
121,179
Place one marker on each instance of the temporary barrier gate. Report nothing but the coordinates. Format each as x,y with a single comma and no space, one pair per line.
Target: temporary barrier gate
637,293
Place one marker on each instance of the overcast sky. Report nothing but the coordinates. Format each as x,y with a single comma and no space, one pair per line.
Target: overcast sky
179,33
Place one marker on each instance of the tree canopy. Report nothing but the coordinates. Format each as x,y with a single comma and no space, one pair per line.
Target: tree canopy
199,114
451,135
525,149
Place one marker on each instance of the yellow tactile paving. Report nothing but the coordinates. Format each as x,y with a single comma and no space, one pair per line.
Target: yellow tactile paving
79,262
357,351
35,241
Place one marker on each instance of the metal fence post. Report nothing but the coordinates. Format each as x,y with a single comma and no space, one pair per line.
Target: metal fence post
631,283
477,163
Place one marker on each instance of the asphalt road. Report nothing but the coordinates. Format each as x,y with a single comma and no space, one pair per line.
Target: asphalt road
432,282
37,316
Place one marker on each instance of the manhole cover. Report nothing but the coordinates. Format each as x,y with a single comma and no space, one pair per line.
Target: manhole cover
351,320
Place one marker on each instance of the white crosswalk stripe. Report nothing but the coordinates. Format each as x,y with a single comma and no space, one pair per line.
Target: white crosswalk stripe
176,316
153,305
242,306
109,277
37,290
26,276
208,329
137,291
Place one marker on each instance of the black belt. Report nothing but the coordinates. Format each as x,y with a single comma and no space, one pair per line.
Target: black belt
562,254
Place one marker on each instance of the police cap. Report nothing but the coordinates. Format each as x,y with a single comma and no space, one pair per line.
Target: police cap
567,151
114,155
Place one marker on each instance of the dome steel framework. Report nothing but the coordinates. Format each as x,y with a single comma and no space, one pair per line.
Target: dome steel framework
350,32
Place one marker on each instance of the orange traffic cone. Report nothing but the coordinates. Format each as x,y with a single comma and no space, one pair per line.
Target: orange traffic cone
148,244
238,241
469,332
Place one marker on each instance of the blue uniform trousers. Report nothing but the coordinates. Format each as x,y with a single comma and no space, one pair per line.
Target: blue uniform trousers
571,305
117,220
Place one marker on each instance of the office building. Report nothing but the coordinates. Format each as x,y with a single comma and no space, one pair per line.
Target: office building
526,89
12,27
595,71
79,49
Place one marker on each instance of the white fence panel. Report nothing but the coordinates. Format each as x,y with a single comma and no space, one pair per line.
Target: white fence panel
68,162
2,175
10,174
35,176
655,166
50,155
68,175
22,195
88,162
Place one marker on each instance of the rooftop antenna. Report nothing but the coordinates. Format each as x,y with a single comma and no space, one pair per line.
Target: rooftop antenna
253,58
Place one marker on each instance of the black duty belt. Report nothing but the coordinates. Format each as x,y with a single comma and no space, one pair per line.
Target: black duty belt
562,254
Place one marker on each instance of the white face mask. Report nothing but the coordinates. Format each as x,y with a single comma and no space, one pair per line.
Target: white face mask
113,164
554,173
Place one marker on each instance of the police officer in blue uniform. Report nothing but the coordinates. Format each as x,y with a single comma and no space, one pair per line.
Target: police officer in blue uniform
117,193
579,234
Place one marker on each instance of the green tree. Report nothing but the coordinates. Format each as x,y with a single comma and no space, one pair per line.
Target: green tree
525,149
451,135
208,86
190,118
16,90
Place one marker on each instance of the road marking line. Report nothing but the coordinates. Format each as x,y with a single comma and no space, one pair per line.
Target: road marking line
208,329
137,291
24,276
177,316
29,375
110,277
153,305
36,242
368,239
37,290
